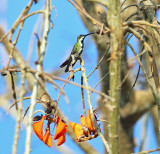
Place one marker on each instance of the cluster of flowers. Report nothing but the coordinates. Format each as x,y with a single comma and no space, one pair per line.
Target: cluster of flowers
84,131
61,129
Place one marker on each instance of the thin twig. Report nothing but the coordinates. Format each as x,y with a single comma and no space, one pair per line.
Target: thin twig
83,103
91,108
136,76
101,80
139,54
17,22
124,79
13,89
61,90
99,62
20,111
104,3
138,36
81,9
149,151
35,87
123,3
25,112
140,23
78,85
144,131
39,111
128,7
48,77
31,14
142,68
130,16
24,98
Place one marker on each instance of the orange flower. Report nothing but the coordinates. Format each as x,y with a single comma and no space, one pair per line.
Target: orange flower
61,129
77,128
61,140
47,137
38,128
88,122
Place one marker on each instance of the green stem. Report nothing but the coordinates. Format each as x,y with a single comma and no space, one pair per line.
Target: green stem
117,47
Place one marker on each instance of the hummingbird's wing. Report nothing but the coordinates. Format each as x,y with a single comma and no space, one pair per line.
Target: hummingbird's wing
75,49
68,63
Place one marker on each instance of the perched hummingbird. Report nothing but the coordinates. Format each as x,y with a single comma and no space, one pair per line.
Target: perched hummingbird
76,52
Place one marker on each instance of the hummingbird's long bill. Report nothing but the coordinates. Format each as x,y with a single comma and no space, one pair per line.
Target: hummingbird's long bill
89,34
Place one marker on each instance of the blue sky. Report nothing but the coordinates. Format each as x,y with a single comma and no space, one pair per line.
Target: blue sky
67,26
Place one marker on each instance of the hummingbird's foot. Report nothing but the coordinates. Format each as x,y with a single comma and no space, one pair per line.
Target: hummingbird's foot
71,75
77,57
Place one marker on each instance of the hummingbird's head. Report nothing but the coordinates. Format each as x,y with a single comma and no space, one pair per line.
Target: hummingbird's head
80,38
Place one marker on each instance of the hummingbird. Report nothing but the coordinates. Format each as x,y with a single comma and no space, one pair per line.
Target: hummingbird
75,53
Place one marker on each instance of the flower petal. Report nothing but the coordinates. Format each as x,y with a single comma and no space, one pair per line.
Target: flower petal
77,128
82,120
89,122
38,128
61,129
37,118
61,140
47,137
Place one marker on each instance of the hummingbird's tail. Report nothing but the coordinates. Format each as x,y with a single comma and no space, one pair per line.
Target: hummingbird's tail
67,68
65,63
